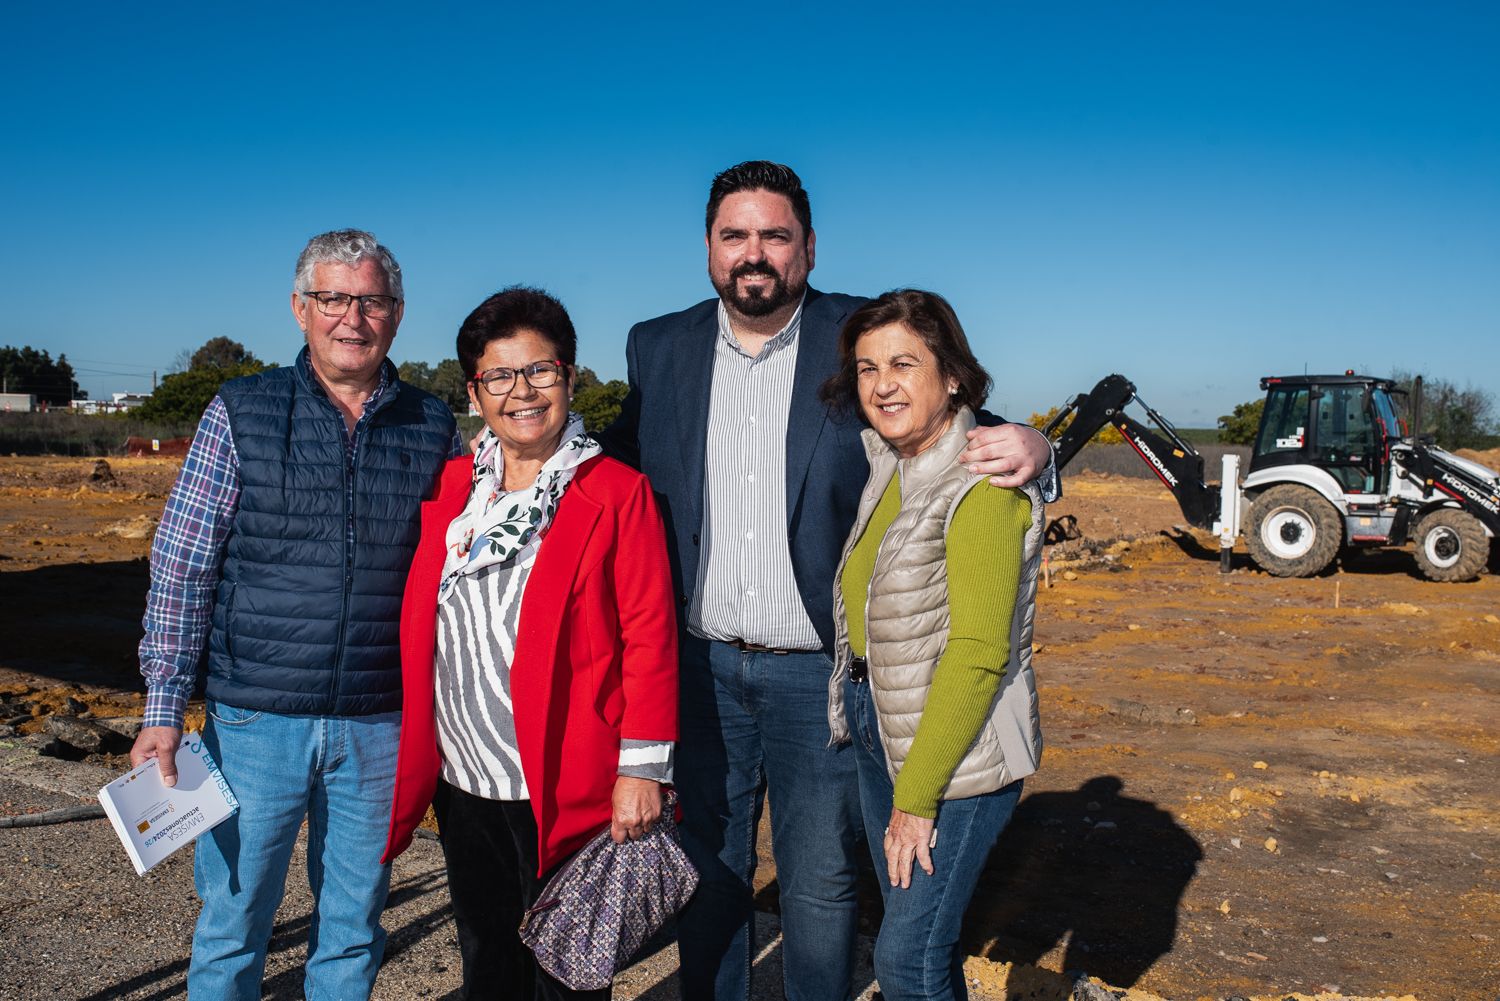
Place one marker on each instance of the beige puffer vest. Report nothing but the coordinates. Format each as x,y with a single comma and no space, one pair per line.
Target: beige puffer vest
906,617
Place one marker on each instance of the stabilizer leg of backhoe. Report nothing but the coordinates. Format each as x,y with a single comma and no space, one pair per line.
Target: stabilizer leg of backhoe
1228,526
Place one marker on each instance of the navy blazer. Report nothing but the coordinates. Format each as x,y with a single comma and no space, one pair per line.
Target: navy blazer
662,430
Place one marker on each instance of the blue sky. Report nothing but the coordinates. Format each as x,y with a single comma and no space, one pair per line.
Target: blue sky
1195,195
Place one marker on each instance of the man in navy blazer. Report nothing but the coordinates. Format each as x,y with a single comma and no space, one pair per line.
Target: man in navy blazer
758,484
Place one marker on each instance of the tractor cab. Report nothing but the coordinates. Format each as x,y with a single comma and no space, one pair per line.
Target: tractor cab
1344,424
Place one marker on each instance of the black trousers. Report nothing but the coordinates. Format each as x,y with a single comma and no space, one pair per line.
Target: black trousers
490,850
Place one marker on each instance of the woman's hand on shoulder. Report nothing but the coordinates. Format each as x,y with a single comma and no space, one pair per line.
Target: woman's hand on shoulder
637,805
909,839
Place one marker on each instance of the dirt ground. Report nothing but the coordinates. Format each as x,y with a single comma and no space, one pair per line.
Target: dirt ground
1251,786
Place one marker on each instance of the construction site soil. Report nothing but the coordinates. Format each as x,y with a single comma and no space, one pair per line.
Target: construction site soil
1252,785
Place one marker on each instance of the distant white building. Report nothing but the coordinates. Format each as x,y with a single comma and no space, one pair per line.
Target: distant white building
119,403
17,403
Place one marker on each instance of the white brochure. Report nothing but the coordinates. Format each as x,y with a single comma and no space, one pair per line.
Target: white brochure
154,821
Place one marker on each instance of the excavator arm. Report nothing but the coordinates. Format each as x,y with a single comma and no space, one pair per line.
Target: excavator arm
1176,463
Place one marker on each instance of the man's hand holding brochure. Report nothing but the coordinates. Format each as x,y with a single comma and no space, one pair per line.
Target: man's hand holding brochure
152,819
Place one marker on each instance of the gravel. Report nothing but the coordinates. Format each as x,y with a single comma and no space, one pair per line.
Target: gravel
76,923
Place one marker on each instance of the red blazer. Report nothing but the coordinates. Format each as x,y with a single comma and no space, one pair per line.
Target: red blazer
596,654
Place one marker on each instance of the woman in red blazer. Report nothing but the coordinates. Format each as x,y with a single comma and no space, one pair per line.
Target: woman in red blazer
538,645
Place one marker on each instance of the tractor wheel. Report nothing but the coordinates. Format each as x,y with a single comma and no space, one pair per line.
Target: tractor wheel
1294,531
1451,545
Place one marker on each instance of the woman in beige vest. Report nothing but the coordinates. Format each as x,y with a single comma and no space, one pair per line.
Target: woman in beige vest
934,602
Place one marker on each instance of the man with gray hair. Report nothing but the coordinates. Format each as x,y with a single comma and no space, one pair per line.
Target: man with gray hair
282,555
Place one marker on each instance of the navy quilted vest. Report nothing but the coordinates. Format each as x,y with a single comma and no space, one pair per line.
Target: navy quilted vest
304,621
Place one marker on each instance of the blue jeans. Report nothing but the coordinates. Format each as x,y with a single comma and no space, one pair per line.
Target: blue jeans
338,772
755,725
916,954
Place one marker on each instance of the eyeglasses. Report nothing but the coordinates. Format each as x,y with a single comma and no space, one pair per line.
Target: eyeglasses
376,307
538,375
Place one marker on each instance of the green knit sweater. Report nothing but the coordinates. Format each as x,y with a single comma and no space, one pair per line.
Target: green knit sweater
984,547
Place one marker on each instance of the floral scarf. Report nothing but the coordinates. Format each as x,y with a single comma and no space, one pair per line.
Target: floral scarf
496,525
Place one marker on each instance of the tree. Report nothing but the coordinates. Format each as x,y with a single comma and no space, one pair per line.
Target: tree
221,352
446,381
449,385
1240,427
599,404
415,373
27,370
1462,418
584,378
1107,435
183,396
1456,418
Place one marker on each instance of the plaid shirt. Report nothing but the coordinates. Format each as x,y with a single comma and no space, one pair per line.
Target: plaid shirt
188,553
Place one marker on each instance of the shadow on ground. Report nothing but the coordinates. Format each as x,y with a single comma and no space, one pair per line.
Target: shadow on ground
1092,866
75,623
289,940
1091,869
1351,560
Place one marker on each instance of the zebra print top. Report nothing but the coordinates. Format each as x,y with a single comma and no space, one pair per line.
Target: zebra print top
476,641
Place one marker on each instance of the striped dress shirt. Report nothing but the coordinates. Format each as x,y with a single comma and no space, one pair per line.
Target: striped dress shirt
746,589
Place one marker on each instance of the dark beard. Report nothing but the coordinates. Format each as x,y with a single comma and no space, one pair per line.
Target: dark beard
758,302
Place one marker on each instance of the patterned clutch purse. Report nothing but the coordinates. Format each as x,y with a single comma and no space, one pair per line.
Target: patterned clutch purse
595,912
